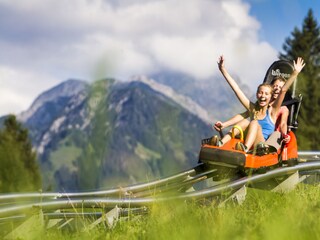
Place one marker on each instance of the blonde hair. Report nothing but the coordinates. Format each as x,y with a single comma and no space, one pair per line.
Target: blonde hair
256,108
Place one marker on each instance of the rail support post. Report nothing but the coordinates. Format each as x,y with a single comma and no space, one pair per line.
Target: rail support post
30,228
282,184
237,197
110,218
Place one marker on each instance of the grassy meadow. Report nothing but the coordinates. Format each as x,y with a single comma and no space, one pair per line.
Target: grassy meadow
263,215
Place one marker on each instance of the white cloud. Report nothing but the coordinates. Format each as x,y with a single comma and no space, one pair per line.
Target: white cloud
194,56
18,88
55,40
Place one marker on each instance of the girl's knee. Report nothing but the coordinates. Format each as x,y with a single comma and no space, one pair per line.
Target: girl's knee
254,123
255,126
244,123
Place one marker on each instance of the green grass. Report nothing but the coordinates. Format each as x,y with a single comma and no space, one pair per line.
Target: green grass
263,215
65,155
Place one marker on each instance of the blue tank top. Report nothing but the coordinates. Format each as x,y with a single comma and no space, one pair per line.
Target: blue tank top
267,125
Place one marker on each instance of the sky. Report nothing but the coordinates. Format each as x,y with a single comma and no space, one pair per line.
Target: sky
45,42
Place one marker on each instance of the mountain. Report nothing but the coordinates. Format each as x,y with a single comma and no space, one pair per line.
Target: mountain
183,100
50,106
212,94
110,133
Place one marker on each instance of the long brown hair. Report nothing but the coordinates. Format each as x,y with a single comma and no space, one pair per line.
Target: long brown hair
281,79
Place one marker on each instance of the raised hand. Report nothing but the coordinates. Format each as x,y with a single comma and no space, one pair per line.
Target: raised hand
221,62
299,64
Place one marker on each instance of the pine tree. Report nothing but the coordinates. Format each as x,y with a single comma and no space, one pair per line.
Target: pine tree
19,170
305,43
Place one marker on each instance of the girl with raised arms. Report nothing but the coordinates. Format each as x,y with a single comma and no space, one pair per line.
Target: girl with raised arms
263,115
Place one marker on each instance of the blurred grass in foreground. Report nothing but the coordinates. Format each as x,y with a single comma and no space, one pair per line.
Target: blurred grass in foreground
263,215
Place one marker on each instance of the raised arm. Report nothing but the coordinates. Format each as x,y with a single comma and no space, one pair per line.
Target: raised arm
235,87
298,66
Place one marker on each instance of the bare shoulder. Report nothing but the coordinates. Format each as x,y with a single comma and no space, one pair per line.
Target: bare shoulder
283,109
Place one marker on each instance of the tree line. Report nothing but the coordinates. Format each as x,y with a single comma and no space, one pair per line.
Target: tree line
19,169
305,43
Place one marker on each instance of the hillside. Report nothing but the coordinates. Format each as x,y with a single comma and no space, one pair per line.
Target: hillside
111,133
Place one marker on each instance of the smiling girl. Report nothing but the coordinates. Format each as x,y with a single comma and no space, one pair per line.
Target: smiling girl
263,115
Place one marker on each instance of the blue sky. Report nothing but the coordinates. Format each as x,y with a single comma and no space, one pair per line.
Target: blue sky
45,42
278,18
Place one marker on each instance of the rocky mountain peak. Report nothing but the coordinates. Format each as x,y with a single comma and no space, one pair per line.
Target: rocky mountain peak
184,101
67,88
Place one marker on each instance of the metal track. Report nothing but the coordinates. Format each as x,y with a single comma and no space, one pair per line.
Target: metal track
139,197
120,191
309,155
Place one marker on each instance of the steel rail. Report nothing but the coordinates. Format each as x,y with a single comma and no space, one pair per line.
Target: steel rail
309,155
129,190
152,191
141,202
310,172
113,191
123,212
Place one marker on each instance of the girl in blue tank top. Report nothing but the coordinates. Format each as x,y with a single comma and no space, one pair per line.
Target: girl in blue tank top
263,116
267,126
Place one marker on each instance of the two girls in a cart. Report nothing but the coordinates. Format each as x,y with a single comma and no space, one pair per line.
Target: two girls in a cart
266,114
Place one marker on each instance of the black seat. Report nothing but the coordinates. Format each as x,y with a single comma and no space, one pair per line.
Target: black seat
284,69
293,104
